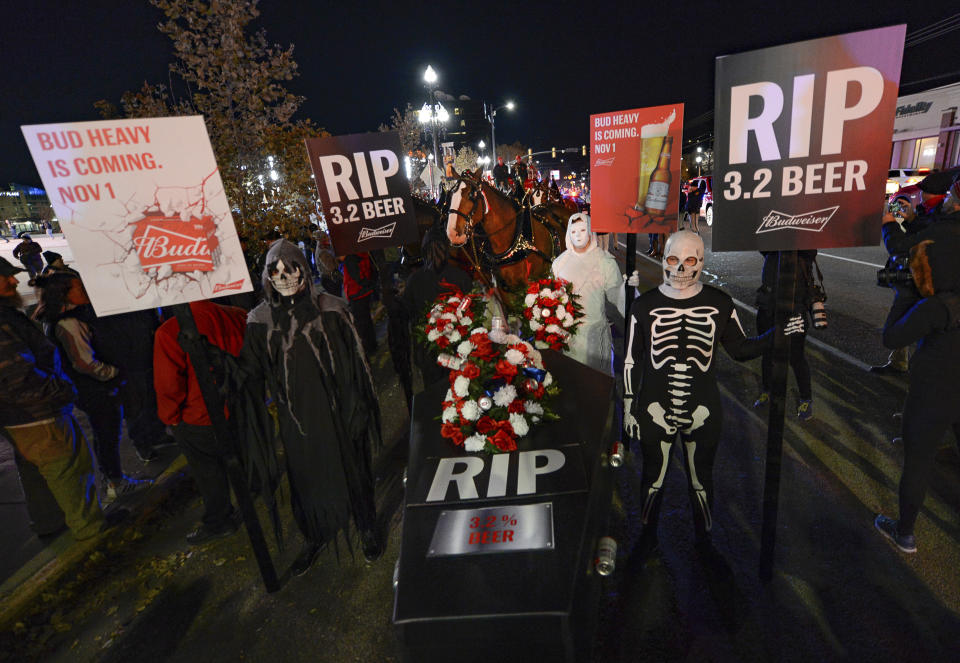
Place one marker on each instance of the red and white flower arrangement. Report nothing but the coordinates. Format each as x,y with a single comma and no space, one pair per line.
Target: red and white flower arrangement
498,384
551,313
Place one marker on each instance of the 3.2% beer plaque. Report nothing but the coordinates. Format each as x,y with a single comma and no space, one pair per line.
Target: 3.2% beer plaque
493,530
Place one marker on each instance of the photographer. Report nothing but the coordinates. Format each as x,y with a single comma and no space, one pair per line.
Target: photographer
937,216
933,400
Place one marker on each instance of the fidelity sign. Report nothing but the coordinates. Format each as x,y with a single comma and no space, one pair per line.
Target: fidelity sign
366,197
800,162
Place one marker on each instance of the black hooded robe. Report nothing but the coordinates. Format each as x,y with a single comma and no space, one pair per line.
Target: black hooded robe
307,352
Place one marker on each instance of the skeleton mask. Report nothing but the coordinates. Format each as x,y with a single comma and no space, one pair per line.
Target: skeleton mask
682,260
287,280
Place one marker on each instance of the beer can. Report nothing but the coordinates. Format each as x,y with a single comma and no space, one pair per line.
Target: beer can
606,560
616,454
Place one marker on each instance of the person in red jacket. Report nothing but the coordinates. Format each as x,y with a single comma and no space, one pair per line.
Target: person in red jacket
180,404
360,278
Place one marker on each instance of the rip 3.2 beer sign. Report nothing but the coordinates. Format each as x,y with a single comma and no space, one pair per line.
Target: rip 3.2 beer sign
365,194
802,142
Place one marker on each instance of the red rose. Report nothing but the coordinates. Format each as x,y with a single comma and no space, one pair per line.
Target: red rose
485,350
553,320
548,302
505,370
443,341
516,407
533,289
528,313
503,441
470,371
448,430
569,308
485,425
462,330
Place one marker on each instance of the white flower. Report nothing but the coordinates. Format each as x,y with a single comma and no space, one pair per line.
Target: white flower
567,322
534,325
475,443
514,356
470,410
553,329
533,407
545,313
454,336
535,419
504,395
453,300
546,292
479,330
466,322
449,396
519,424
529,300
449,316
556,294
547,380
543,345
561,313
511,339
465,348
536,311
461,386
449,415
433,335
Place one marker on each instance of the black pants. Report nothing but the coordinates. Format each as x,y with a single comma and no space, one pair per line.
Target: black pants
927,416
798,360
363,321
45,513
140,410
103,409
209,469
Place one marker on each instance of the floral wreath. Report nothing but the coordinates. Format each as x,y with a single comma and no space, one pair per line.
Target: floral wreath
498,389
551,313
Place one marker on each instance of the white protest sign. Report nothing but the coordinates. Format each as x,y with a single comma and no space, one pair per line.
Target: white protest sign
143,208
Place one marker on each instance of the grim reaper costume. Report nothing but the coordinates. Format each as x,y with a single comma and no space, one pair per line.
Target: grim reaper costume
596,279
670,384
302,344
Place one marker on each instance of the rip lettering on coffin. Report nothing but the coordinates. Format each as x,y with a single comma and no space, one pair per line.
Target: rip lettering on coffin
186,246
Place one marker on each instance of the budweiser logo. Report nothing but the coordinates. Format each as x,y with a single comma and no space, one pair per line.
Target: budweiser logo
604,162
812,221
233,285
185,246
370,233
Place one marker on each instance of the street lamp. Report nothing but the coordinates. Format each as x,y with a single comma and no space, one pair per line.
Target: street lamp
433,114
491,118
698,160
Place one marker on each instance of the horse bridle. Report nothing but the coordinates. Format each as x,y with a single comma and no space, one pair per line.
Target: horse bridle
474,196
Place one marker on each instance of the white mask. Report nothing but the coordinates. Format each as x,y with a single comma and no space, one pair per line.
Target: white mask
287,280
579,235
682,260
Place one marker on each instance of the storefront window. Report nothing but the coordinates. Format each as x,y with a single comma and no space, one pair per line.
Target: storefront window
927,156
908,154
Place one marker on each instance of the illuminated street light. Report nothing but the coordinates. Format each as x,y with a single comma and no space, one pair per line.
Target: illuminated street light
491,118
433,114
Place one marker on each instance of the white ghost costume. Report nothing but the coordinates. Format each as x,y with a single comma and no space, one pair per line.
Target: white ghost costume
596,277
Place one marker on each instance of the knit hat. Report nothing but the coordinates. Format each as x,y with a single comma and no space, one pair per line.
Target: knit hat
51,256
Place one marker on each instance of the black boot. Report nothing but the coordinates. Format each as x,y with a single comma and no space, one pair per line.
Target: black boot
371,545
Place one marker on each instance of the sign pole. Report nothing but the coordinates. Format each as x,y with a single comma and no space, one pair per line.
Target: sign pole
192,343
786,286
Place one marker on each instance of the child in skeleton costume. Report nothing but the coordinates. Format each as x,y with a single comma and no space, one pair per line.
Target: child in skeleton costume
670,384
596,278
302,344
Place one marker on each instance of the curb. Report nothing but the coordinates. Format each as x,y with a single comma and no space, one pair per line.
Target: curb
65,554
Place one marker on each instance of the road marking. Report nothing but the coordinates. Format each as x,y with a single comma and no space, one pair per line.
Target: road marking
817,343
859,262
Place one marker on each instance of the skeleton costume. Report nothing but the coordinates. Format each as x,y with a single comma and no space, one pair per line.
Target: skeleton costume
670,384
596,278
302,344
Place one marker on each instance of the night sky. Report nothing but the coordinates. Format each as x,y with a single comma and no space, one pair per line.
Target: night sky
560,61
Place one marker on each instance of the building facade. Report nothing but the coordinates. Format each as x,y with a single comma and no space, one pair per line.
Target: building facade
25,207
926,132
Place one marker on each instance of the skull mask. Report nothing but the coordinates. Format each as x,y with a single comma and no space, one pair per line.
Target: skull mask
287,280
682,260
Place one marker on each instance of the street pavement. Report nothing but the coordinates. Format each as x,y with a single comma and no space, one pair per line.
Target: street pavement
840,592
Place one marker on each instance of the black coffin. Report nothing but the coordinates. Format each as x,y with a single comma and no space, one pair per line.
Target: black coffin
515,605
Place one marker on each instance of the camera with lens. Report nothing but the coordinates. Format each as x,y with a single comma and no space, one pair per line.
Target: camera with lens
896,272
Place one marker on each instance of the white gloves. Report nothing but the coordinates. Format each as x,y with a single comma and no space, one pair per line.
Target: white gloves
634,280
795,325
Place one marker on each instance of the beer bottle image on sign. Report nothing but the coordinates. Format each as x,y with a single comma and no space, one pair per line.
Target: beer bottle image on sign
659,189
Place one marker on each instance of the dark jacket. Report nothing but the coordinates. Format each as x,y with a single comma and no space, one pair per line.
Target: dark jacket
25,251
33,385
359,276
694,200
803,292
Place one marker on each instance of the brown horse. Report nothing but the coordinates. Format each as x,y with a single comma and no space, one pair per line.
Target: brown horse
502,238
